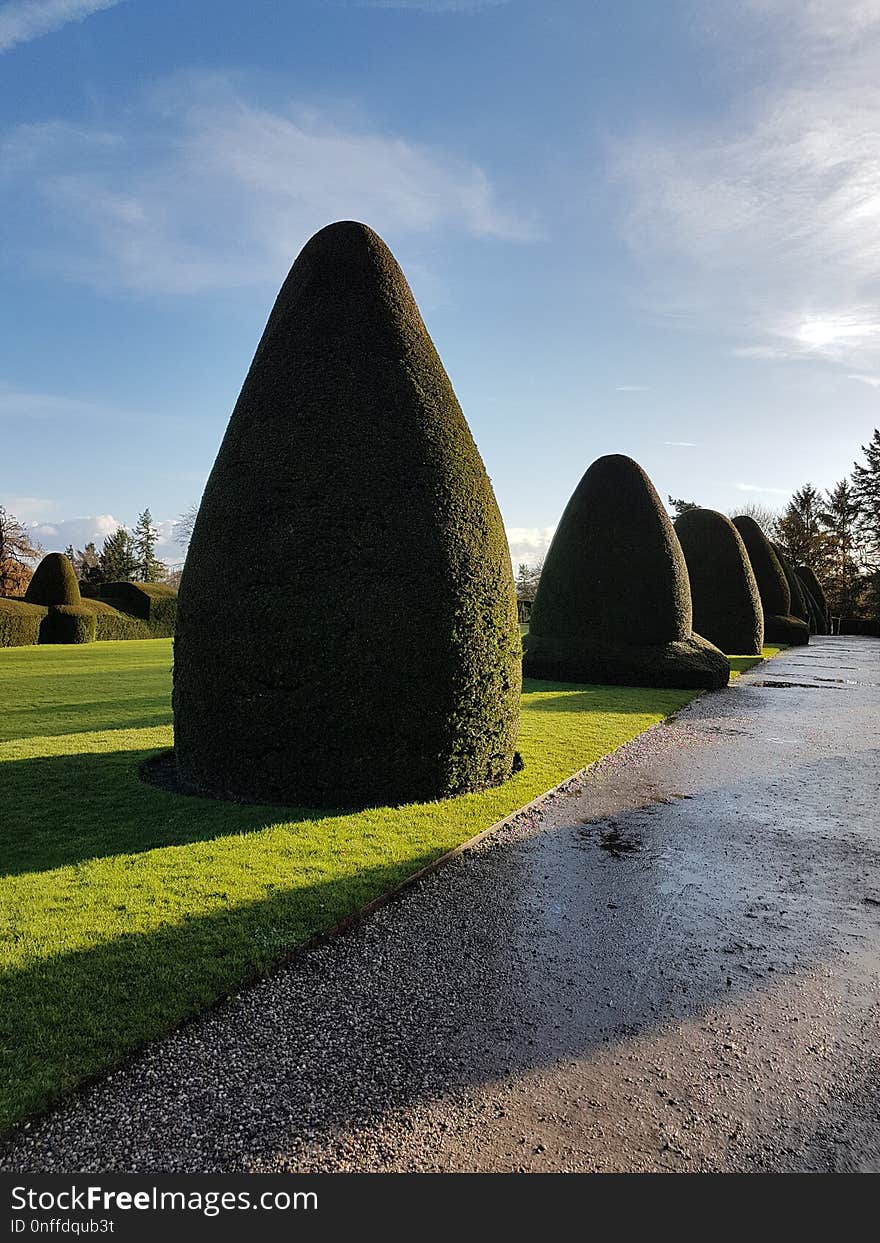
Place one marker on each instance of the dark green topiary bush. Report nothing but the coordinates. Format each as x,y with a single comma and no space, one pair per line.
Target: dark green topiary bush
20,623
816,620
812,584
798,603
726,602
54,582
68,623
613,604
780,626
364,646
114,623
153,603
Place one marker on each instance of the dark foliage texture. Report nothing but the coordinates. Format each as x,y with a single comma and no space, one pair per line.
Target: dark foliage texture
54,582
364,649
613,604
726,603
780,626
20,623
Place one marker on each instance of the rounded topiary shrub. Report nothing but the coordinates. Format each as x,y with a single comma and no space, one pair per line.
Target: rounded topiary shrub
815,618
798,602
726,602
54,582
68,623
780,626
814,587
347,628
613,603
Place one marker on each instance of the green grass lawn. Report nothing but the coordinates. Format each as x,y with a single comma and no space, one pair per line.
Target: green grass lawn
124,909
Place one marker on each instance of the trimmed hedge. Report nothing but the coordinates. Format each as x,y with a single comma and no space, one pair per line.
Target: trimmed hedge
614,603
54,582
23,623
726,602
68,623
154,603
111,622
365,648
780,626
20,622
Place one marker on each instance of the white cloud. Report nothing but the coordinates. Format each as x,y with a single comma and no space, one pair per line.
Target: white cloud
872,380
632,388
756,487
767,222
56,536
681,444
202,189
28,19
528,544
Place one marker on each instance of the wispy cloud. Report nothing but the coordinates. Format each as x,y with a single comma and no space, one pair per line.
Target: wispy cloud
21,404
681,444
767,222
632,388
872,380
24,20
756,487
204,189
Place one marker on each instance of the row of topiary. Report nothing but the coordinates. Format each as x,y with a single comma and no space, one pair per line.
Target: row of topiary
368,650
626,597
54,609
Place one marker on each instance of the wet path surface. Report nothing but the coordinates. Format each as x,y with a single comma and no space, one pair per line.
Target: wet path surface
674,968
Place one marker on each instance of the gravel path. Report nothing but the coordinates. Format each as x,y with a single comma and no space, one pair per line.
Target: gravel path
674,967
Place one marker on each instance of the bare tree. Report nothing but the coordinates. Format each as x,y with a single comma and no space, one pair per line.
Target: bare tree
766,517
17,554
183,527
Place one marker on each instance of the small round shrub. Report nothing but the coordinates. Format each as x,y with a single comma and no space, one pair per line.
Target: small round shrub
780,626
68,623
54,582
351,637
724,595
613,604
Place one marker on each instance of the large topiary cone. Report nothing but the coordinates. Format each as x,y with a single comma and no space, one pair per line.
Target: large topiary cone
726,603
54,582
780,626
347,629
613,603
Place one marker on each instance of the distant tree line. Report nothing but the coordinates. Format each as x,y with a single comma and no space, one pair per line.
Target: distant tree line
126,555
836,533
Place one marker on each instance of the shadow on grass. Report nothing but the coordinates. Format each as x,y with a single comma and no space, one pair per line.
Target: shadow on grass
67,1017
64,809
90,717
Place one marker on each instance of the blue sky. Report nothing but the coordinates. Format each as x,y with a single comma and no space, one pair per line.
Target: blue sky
642,228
